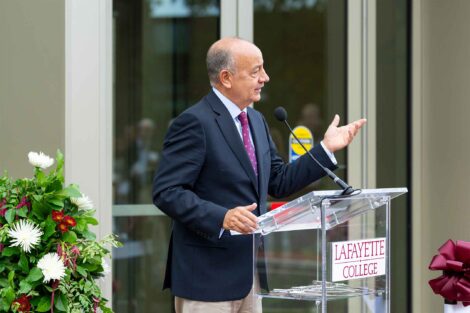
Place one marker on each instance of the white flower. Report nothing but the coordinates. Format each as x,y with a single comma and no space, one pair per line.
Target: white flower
25,234
83,202
40,160
52,267
106,268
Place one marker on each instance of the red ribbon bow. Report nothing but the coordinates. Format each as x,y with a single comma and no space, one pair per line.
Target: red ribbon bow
454,260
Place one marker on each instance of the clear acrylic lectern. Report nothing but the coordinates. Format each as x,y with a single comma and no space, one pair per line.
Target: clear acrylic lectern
329,251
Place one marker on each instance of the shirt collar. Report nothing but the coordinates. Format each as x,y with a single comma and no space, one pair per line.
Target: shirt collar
232,108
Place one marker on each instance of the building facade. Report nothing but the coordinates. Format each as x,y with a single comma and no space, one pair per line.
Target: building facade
103,79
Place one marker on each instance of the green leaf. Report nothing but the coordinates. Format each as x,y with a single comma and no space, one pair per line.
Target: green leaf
3,282
24,264
44,304
55,185
48,288
90,267
70,237
35,284
10,215
34,275
56,202
9,295
4,306
41,178
11,276
23,212
60,165
9,251
40,209
88,286
49,229
105,309
91,220
25,287
84,300
89,235
81,224
81,271
60,158
37,198
61,302
70,191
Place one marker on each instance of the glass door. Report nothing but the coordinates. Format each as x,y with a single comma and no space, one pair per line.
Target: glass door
304,45
304,50
317,69
159,70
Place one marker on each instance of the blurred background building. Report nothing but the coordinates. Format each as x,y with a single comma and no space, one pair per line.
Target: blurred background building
103,79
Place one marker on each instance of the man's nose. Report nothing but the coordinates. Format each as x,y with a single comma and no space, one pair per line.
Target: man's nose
265,76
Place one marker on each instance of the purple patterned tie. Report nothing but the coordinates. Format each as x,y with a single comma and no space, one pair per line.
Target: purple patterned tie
247,141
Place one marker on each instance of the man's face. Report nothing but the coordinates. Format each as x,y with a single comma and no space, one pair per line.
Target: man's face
249,76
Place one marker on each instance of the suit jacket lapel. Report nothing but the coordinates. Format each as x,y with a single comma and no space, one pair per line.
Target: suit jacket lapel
232,137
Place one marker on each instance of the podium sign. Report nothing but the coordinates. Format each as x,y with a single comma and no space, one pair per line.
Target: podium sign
330,251
358,259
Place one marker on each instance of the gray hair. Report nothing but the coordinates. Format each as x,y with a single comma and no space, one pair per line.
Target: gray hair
218,59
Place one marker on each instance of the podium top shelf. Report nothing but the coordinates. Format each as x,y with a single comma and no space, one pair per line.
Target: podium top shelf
305,211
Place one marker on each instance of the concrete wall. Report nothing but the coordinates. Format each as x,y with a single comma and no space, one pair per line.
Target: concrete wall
32,81
441,147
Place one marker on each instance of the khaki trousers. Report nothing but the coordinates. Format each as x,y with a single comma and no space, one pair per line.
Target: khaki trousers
250,304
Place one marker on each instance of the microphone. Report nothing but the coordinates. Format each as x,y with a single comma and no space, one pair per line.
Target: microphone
281,115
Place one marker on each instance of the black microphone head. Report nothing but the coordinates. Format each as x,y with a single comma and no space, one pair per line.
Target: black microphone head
281,114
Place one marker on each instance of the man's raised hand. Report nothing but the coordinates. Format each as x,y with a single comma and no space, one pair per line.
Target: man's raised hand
336,138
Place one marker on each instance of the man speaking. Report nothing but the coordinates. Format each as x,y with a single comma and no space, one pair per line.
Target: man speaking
218,165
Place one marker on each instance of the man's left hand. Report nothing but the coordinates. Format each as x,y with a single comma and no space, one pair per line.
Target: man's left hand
336,138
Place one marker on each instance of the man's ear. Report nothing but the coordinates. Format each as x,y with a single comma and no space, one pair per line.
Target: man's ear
225,78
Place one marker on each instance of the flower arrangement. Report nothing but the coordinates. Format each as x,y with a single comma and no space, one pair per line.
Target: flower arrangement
454,283
49,258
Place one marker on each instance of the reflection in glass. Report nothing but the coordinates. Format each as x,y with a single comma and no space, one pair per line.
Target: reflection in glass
304,50
139,266
303,45
135,161
159,71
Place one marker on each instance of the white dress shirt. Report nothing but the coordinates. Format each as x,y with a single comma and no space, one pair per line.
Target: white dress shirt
234,111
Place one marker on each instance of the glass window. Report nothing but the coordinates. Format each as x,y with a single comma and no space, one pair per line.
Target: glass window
304,50
159,70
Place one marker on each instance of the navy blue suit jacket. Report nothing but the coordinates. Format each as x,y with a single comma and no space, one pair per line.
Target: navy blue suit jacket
203,172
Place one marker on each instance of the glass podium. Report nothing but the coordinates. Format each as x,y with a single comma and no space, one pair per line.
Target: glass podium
330,250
